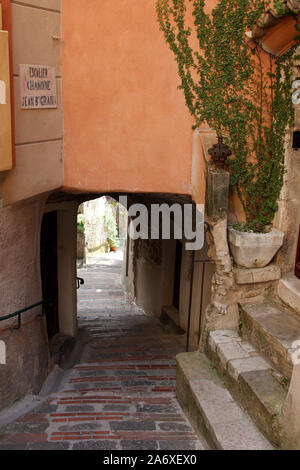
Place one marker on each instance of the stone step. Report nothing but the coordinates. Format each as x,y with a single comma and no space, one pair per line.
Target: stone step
212,409
289,291
274,331
251,380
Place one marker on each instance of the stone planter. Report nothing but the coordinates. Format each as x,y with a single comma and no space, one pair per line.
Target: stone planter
254,250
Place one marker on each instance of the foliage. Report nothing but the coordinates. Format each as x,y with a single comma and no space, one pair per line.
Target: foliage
238,90
80,223
110,222
279,7
244,227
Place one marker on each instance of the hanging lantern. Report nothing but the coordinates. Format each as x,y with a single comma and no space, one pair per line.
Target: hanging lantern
220,153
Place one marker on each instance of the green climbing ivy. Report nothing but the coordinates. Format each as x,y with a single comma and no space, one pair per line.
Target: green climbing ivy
238,90
279,7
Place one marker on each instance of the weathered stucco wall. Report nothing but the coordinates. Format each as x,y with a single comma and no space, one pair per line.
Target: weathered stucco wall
20,286
35,34
94,228
154,274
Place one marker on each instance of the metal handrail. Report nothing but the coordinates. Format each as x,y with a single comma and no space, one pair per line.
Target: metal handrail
80,282
19,313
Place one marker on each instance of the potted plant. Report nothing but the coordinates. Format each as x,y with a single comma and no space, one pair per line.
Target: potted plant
231,85
113,242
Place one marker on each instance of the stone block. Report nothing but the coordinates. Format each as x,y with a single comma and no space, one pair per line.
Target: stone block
273,331
257,275
265,397
222,336
237,366
249,348
230,351
217,193
259,391
216,402
241,435
289,291
211,407
269,394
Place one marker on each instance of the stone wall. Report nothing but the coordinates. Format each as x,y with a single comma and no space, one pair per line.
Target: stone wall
228,283
36,39
288,217
95,234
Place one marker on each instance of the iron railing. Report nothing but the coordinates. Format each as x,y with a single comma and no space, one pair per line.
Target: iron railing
19,313
42,303
80,282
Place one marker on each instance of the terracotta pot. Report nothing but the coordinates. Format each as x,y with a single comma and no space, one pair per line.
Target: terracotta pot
254,250
113,248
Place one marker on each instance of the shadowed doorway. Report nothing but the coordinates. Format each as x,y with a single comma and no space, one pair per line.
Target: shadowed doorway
49,267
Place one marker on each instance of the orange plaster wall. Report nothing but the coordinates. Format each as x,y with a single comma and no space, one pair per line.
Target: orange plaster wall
6,20
126,124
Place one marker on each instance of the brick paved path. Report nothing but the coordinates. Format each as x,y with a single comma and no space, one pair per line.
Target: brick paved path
122,394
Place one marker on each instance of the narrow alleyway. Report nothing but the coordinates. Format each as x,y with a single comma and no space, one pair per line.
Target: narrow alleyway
122,394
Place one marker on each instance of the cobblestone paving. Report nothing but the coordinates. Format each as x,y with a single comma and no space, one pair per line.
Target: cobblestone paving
122,394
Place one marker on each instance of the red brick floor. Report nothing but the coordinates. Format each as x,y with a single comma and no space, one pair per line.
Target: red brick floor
122,394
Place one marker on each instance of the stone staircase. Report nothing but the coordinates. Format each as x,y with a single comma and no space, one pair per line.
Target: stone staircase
274,331
242,383
289,291
211,408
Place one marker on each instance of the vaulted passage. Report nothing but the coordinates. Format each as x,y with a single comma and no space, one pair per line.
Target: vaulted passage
122,393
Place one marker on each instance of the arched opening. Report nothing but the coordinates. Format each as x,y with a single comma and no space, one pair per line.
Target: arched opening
118,332
100,254
160,275
99,225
